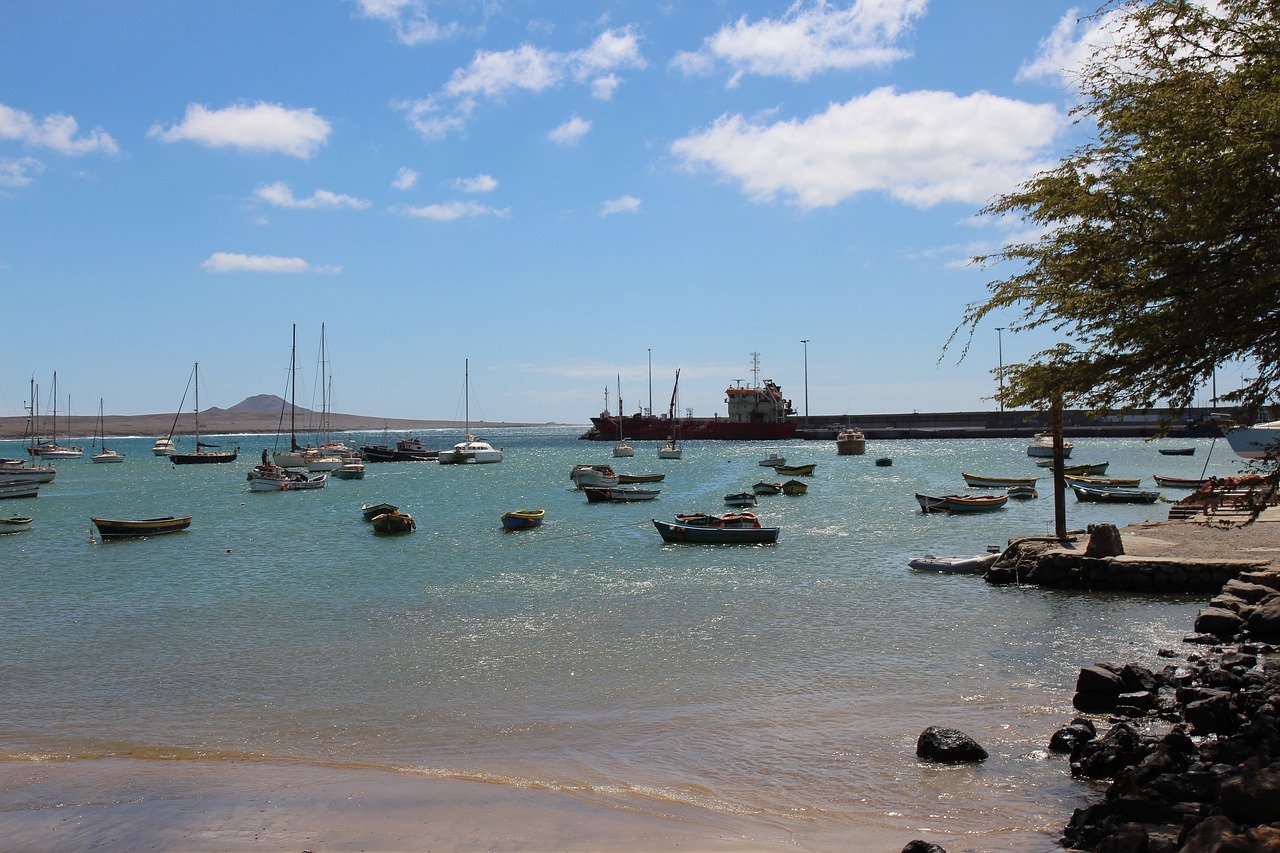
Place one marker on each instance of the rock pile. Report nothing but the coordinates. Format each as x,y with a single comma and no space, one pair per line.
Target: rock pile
1193,750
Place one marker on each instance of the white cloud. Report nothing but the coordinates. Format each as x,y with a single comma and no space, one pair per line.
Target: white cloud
1064,52
261,127
922,148
451,211
625,204
409,19
57,131
478,184
229,262
19,172
406,179
571,132
811,37
530,69
280,194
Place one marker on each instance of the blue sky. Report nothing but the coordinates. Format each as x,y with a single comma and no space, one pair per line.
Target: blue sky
561,193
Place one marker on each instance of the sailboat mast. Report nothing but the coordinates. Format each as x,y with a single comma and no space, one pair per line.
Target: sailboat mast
197,408
466,393
293,390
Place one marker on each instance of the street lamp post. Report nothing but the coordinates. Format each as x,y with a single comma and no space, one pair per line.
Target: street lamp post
651,381
1000,372
806,381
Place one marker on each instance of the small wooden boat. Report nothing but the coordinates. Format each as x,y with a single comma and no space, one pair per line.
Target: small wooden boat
273,478
394,522
1096,468
1022,492
727,519
523,519
593,475
980,482
763,488
16,524
1103,482
773,460
20,489
794,487
1114,495
694,534
976,564
796,470
372,511
975,503
931,503
741,499
117,529
632,479
1177,451
1178,482
604,494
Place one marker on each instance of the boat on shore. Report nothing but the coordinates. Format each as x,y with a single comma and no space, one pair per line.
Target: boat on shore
696,534
523,519
109,528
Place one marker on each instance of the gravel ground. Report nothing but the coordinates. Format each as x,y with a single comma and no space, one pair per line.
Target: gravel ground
1197,539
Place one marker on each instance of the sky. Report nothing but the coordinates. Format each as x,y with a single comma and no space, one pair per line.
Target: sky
560,199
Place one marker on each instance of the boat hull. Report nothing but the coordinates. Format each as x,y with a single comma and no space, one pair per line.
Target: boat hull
19,490
118,529
523,519
17,524
1255,442
979,482
598,494
394,522
205,458
649,428
954,565
1114,495
1178,482
692,534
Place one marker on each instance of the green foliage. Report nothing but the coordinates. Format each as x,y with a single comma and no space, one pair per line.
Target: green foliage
1158,255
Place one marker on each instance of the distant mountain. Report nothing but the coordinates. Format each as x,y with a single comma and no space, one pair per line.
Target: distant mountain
261,404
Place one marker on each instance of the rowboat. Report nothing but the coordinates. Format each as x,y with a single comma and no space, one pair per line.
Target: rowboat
593,475
794,487
796,470
1104,482
1094,494
727,519
976,564
631,479
16,524
741,499
1177,482
960,503
522,519
116,529
763,488
603,494
1082,469
773,460
21,489
1022,492
931,503
372,511
1176,451
394,522
694,534
980,482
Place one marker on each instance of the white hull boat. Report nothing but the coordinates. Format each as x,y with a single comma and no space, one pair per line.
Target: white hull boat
1257,441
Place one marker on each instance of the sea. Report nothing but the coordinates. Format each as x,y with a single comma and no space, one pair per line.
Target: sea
780,688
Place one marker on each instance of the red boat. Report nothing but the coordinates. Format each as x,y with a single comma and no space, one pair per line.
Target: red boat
755,414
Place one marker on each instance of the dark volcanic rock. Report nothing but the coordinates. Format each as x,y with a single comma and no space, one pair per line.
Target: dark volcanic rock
949,746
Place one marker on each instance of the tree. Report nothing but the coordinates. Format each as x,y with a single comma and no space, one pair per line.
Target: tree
1159,249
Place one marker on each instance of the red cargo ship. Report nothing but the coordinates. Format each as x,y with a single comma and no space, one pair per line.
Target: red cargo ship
755,414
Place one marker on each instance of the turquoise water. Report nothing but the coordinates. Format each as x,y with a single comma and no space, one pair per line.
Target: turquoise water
784,685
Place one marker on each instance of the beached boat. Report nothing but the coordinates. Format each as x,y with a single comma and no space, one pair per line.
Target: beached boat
851,442
1178,482
1043,446
632,479
763,488
523,519
16,524
393,522
696,534
1176,451
199,456
794,487
372,511
593,475
471,449
1114,495
602,494
1103,482
1257,441
796,470
724,519
756,413
973,565
121,529
349,471
773,460
27,489
740,499
979,482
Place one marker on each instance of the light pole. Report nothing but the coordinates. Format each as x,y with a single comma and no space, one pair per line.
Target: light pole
650,381
1000,372
806,381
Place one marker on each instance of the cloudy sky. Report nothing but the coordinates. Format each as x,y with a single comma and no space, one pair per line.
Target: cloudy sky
561,193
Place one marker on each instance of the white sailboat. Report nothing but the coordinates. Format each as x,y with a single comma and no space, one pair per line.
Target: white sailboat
51,449
293,457
99,439
621,450
672,450
471,448
325,457
16,470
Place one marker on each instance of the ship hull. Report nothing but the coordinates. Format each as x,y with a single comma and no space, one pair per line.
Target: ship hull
691,429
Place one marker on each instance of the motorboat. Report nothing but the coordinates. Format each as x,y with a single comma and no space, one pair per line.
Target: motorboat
973,565
1043,446
773,460
851,442
273,478
122,529
164,447
349,471
470,449
1256,442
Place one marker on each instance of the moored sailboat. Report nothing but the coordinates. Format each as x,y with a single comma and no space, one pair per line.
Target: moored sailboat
471,448
199,456
106,454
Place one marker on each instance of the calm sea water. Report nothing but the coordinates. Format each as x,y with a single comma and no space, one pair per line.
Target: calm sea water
782,684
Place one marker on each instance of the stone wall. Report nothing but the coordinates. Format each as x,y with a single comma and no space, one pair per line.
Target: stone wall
1063,569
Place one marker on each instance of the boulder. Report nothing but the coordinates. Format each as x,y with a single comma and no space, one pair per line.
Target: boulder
1219,622
1072,737
949,746
1250,592
1264,621
1099,679
1104,541
1252,797
919,846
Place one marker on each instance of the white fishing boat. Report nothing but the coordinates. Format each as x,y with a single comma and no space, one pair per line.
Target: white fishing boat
1043,446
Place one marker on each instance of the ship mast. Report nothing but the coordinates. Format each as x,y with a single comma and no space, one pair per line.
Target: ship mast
755,370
